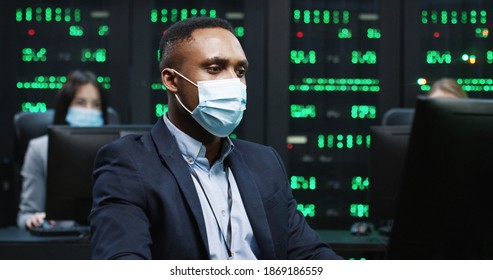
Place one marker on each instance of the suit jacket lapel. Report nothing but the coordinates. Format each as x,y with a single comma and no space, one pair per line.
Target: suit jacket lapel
253,204
172,158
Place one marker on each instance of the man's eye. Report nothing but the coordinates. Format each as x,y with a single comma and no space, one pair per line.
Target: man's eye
241,72
215,69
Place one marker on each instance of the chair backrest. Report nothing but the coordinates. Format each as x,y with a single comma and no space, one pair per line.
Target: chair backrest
27,126
113,116
398,116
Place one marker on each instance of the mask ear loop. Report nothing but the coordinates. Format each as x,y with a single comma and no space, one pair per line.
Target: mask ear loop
188,80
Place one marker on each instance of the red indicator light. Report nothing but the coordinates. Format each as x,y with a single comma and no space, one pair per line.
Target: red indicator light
436,34
290,146
299,34
31,32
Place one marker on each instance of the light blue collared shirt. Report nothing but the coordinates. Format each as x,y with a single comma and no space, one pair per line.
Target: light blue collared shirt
215,183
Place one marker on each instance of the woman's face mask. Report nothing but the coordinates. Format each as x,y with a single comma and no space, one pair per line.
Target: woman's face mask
221,104
80,116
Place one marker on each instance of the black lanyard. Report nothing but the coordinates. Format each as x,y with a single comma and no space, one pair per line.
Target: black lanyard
227,241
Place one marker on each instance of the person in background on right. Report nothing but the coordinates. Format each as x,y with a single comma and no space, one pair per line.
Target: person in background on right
446,88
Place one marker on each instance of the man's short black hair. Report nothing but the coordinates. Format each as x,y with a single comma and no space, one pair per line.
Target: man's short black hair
182,31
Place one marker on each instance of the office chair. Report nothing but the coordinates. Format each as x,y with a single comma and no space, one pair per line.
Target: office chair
29,125
398,116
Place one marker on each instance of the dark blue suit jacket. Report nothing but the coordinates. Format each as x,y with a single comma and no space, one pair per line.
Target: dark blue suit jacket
145,205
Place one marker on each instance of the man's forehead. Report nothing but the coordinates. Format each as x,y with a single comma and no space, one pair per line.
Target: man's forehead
215,42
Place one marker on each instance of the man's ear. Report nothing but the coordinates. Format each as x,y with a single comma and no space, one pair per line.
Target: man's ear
168,77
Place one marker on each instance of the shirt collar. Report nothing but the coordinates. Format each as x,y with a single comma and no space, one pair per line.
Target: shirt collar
192,149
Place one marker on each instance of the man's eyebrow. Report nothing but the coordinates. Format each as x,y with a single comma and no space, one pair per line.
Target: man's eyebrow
223,61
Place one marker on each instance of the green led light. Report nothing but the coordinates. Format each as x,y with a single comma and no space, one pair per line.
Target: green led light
105,81
301,183
239,31
43,82
363,112
489,57
326,17
161,109
349,142
98,55
330,141
359,210
436,57
306,16
18,15
296,16
345,17
174,15
342,141
369,57
302,57
453,16
316,16
320,141
308,210
157,86
76,31
77,15
29,14
321,16
39,16
331,84
48,14
360,184
103,30
446,17
481,32
424,17
344,33
33,55
302,111
33,107
154,15
373,33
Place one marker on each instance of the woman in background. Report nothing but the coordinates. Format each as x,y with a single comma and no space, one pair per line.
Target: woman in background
446,88
80,102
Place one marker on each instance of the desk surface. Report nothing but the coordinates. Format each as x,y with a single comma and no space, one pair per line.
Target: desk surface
18,244
345,240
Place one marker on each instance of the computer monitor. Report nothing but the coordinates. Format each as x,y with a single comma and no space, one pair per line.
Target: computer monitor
71,154
387,155
444,203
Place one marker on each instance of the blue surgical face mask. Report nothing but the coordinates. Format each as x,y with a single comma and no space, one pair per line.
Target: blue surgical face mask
80,116
221,105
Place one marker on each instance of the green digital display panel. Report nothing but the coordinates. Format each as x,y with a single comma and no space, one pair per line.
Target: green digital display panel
53,38
334,93
452,40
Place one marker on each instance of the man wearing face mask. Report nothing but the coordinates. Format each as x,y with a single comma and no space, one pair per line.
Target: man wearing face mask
186,190
80,102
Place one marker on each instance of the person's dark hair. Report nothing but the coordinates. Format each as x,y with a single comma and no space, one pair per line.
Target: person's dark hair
66,94
181,32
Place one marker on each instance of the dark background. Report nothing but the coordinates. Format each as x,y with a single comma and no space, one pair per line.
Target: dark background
313,89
